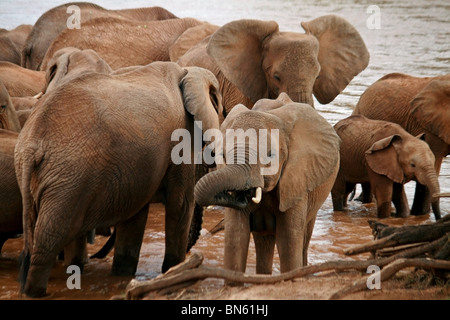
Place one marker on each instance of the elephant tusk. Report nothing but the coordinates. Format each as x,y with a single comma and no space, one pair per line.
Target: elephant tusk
40,94
257,198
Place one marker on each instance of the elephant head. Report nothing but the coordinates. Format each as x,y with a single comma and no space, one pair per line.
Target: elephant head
431,108
9,119
288,151
403,158
69,63
263,62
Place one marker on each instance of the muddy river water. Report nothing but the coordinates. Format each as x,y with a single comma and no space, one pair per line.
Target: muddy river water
402,36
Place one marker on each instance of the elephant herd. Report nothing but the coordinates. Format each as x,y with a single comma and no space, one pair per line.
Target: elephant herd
88,118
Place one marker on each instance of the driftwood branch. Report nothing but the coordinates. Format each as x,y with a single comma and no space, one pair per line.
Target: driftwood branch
402,246
389,271
403,235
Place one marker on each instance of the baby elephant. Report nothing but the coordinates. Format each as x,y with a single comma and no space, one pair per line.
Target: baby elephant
386,156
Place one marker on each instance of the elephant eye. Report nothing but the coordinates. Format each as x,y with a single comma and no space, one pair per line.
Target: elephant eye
413,164
277,77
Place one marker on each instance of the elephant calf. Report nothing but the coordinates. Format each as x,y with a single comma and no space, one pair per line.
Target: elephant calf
276,195
383,154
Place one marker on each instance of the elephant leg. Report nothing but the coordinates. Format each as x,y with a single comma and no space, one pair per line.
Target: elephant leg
366,194
382,187
237,238
129,235
48,238
290,236
179,212
400,200
422,200
308,235
265,248
340,192
75,253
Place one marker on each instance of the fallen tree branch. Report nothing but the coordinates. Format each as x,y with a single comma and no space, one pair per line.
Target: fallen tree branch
391,269
404,235
191,270
431,240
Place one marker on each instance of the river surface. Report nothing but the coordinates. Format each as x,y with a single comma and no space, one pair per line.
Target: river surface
401,36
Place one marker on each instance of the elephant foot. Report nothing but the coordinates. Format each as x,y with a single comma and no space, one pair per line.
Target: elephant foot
124,265
384,210
419,211
170,260
35,292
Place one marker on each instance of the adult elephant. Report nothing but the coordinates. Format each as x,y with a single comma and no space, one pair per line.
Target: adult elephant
420,105
271,190
386,156
253,59
21,82
12,41
123,43
55,20
104,166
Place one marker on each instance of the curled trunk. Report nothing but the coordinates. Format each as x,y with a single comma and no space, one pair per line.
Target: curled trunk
233,186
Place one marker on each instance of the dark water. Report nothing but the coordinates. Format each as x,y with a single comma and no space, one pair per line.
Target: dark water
411,37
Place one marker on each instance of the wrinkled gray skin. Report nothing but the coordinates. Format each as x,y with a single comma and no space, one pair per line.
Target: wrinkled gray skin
307,152
10,199
384,155
253,59
104,166
70,63
419,105
8,115
21,82
54,21
12,41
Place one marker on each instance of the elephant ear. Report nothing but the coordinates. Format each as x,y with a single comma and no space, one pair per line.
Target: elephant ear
431,108
342,55
201,96
237,50
313,152
382,158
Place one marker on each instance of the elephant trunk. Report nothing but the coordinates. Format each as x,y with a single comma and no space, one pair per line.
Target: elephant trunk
430,179
231,186
302,97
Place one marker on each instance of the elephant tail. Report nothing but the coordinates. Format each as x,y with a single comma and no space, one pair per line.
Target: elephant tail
27,163
107,247
196,226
